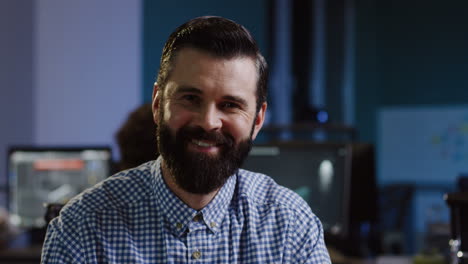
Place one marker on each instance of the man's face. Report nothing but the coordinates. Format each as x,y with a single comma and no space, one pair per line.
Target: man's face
207,118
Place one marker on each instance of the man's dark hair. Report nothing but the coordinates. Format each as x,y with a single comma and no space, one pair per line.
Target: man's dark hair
136,139
219,37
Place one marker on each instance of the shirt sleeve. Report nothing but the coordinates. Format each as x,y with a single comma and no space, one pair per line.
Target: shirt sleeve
60,247
306,240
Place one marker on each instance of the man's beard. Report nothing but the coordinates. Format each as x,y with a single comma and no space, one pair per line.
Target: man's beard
198,172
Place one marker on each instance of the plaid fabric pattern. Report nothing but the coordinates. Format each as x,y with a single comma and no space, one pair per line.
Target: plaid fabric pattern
133,217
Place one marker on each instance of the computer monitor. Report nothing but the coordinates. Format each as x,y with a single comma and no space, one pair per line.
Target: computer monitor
43,175
336,179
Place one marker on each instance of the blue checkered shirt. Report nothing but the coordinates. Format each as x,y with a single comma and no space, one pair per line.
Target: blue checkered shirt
133,217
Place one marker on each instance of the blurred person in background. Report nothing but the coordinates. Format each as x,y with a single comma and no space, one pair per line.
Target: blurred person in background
136,139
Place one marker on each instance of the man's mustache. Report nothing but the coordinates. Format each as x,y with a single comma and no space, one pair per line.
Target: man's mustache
198,133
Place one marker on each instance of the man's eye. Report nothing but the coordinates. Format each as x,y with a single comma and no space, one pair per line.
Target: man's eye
189,97
229,105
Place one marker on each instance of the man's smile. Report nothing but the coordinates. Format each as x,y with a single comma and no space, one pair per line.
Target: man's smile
204,146
203,143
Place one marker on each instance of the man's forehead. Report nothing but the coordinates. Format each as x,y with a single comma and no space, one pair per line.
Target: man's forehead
225,56
233,94
195,69
182,55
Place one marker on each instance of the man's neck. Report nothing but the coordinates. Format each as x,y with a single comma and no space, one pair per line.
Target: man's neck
195,201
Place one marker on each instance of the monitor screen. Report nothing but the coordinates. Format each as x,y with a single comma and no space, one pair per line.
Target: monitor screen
319,173
42,175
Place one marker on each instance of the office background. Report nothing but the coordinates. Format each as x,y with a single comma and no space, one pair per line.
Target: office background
70,71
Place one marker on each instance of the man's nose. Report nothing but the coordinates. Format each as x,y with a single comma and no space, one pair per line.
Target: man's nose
209,118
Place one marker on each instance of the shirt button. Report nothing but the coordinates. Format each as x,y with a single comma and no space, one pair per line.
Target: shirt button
213,224
179,225
197,218
196,254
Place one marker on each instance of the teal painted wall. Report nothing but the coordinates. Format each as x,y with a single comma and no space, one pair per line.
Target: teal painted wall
367,78
160,18
409,53
424,54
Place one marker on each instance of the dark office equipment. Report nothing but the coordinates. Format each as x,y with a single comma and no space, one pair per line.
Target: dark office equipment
308,131
458,203
337,180
395,214
462,183
38,176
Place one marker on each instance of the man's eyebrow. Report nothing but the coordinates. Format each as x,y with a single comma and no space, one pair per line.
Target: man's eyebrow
191,89
188,89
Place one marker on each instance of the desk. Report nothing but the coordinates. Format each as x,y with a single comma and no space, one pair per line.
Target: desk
30,255
338,258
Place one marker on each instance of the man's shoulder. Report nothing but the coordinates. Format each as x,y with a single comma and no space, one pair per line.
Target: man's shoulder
118,191
287,213
263,190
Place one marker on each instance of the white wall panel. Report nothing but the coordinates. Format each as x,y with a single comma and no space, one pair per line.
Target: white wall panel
87,69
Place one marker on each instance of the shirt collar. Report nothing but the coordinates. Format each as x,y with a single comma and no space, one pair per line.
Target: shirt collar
178,215
214,212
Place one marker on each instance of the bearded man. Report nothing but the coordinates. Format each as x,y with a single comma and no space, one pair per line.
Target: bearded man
194,203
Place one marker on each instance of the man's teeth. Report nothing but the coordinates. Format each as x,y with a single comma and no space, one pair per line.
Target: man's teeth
203,144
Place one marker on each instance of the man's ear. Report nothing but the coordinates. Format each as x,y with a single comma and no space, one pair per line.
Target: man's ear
258,122
155,102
